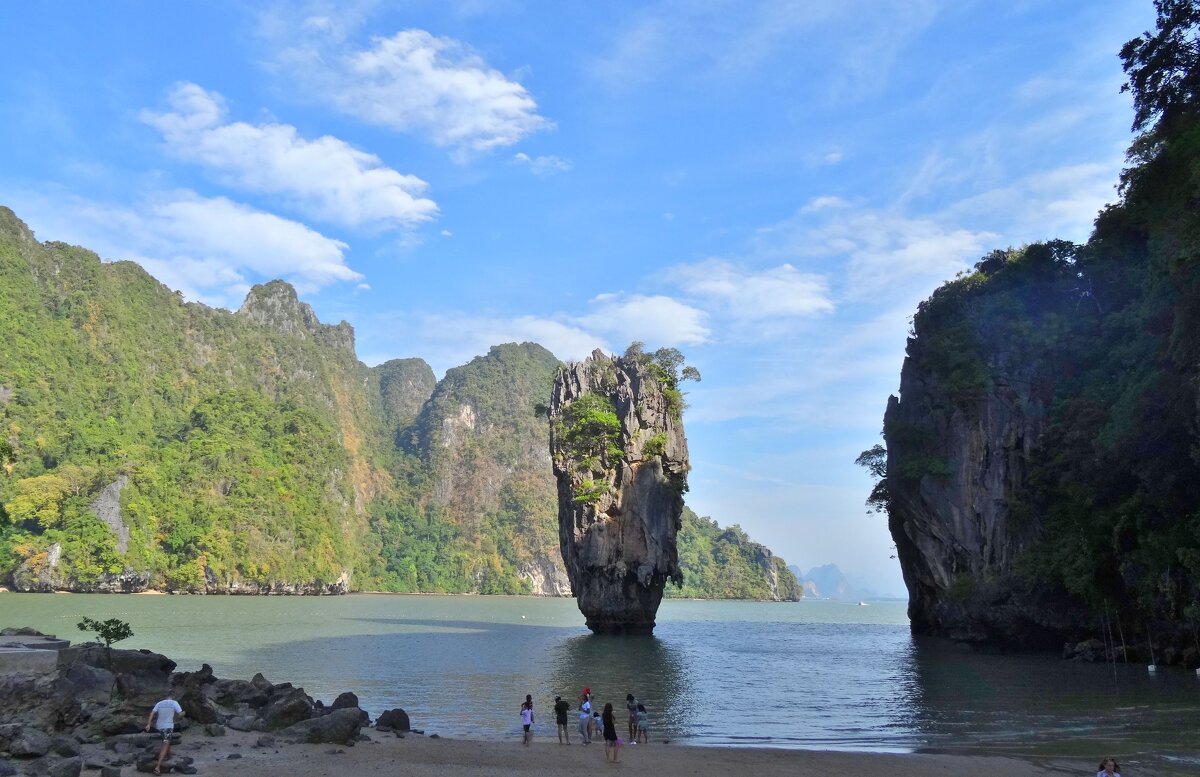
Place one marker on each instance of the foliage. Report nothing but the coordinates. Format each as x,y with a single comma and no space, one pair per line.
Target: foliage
726,564
656,445
1103,341
109,631
1164,66
591,428
874,459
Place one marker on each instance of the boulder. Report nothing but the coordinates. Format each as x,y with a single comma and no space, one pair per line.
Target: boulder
64,767
340,727
214,730
393,720
24,741
233,692
261,683
240,723
286,708
110,771
344,700
64,746
6,768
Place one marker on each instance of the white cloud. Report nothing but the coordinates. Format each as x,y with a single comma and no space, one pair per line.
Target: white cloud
449,339
881,251
325,178
211,249
655,319
777,292
542,165
414,82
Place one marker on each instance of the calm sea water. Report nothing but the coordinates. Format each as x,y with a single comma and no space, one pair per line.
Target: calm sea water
821,675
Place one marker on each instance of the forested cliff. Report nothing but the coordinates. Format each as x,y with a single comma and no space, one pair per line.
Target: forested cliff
1043,456
148,442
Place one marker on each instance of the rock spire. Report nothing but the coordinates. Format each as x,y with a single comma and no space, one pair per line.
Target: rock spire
621,462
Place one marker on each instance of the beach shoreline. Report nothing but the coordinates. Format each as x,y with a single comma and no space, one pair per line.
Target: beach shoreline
389,754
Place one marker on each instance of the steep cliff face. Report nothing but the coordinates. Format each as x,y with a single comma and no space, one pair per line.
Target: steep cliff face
621,463
405,385
957,465
485,449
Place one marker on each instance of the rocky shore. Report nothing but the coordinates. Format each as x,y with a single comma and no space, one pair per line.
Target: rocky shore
69,709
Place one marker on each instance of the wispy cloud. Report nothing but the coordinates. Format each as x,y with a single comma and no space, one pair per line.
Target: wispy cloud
211,249
325,178
411,82
542,165
755,295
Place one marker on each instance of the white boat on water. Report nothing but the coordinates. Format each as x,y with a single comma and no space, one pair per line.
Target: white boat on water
863,604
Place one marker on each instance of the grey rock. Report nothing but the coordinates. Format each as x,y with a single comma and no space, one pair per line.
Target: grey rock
395,719
286,708
265,742
64,746
64,767
27,742
619,544
234,692
240,723
110,771
346,699
6,768
338,727
214,730
233,756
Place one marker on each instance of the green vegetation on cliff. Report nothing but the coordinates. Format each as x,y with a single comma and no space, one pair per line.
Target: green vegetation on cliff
1101,343
726,564
145,441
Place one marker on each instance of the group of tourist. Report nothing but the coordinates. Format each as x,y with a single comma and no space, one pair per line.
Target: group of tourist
590,721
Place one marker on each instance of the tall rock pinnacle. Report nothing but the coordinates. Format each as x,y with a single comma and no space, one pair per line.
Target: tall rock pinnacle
621,462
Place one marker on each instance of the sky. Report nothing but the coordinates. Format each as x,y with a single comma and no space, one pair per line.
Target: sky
771,187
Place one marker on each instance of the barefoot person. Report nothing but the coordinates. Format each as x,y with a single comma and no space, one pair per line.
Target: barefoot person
162,717
585,720
560,719
612,747
631,704
527,718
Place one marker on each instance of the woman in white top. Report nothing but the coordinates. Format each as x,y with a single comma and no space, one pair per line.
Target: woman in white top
1109,768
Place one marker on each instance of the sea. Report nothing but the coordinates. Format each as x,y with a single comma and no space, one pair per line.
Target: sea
810,675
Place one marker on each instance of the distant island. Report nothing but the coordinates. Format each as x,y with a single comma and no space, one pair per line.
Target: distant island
151,443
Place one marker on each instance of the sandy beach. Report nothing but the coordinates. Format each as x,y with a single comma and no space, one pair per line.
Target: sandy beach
389,755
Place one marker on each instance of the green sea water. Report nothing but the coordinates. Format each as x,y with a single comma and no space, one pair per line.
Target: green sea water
815,674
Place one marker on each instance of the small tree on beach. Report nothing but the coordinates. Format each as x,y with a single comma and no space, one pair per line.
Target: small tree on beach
109,631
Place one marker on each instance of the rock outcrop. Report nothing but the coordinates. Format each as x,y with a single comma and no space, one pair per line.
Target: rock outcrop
91,708
955,470
621,462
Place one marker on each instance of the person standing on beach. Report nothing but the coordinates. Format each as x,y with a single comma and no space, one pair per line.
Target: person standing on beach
585,720
611,745
560,719
643,725
162,717
1109,768
631,704
527,718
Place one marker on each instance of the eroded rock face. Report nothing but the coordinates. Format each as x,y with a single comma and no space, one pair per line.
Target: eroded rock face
620,497
955,471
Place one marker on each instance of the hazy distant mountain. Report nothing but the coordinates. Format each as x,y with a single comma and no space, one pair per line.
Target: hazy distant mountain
826,582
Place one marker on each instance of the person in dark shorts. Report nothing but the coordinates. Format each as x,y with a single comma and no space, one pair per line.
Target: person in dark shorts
162,717
612,746
527,718
631,703
560,719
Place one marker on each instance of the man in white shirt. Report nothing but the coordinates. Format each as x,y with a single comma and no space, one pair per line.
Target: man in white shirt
162,717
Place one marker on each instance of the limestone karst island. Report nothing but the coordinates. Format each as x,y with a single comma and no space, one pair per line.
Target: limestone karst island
540,388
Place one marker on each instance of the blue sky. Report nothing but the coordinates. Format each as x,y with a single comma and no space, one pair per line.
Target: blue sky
770,187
